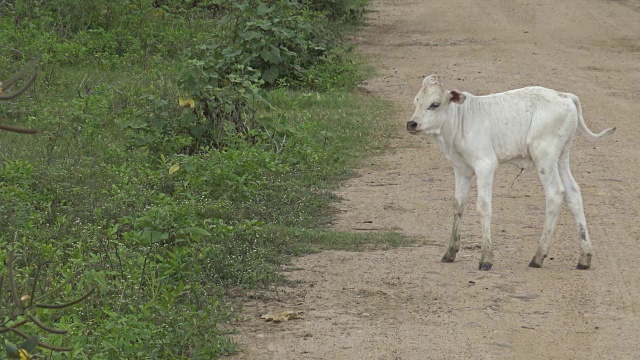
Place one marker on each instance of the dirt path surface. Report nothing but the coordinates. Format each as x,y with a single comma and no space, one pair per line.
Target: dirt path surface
406,304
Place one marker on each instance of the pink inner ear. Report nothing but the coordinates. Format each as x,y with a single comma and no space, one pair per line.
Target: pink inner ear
455,97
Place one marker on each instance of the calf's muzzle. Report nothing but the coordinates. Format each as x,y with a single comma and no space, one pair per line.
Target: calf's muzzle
412,126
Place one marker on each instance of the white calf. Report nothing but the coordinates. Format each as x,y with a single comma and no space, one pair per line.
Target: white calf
527,127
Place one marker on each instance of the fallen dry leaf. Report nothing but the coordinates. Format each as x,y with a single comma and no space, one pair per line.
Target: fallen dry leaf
291,315
283,316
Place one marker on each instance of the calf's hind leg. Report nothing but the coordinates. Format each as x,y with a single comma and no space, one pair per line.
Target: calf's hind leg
554,191
573,197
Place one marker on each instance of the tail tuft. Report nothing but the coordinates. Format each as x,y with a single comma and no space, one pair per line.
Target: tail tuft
583,127
606,133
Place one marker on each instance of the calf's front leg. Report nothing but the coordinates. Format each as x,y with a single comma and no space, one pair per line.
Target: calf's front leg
463,185
483,206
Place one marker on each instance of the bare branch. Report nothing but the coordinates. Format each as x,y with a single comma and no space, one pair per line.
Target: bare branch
7,84
14,326
45,327
79,86
33,288
40,343
61,306
12,281
19,91
57,288
87,89
18,129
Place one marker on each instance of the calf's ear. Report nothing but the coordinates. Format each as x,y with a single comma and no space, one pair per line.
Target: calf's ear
456,96
430,80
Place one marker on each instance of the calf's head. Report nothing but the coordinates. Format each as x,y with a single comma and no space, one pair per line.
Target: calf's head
432,106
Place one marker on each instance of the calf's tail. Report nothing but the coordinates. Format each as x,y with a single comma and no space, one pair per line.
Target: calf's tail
583,127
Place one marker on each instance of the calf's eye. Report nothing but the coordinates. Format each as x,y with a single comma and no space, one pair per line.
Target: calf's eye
434,106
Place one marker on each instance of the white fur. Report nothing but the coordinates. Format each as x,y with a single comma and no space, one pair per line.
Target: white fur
528,127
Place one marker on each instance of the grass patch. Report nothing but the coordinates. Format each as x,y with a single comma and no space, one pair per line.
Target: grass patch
305,241
84,205
162,208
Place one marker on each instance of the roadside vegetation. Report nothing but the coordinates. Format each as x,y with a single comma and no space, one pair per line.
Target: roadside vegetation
185,148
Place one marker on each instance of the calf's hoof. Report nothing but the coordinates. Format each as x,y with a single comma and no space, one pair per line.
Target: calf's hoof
537,260
448,258
485,266
535,264
584,263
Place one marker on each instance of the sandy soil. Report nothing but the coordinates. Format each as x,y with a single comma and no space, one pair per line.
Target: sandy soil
406,304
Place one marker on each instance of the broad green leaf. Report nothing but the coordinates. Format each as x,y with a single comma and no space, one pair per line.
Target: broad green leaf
195,230
30,344
272,55
135,124
154,235
271,74
263,9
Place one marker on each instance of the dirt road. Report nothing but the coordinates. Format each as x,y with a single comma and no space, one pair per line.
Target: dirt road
406,304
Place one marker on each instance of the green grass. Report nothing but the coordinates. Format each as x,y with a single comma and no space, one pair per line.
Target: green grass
296,241
79,200
160,234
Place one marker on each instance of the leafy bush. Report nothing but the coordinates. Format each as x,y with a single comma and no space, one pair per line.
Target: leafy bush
345,10
184,153
280,39
258,44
